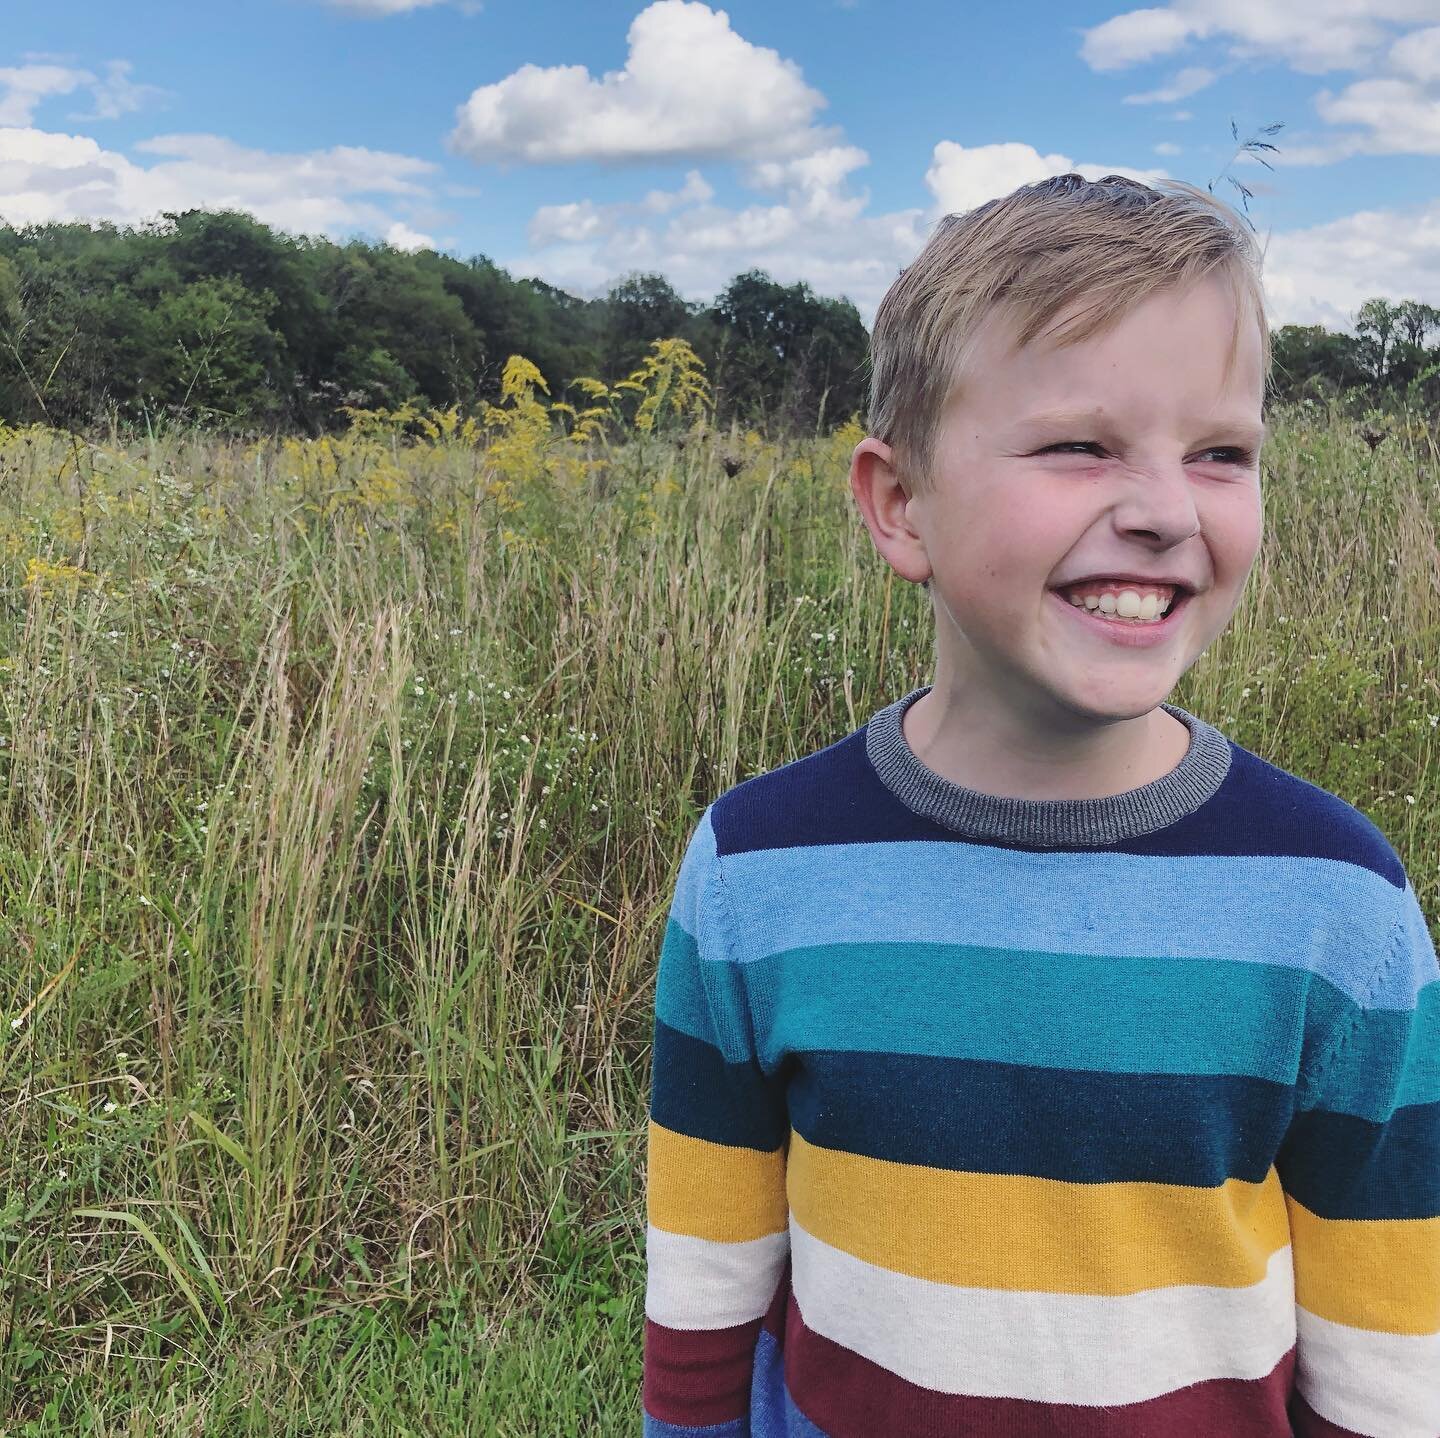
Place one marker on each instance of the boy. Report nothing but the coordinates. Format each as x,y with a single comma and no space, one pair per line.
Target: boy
1035,1060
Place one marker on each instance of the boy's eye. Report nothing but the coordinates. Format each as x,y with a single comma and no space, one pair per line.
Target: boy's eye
1237,456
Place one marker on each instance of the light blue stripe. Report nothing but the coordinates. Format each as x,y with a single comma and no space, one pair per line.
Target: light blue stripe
654,1428
799,1426
1324,916
773,1413
767,1389
696,868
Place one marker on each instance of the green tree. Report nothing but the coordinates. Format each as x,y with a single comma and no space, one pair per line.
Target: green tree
216,357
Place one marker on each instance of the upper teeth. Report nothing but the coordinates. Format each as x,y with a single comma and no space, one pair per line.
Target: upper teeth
1127,603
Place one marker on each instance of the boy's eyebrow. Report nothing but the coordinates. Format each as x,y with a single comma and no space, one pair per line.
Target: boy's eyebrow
1240,428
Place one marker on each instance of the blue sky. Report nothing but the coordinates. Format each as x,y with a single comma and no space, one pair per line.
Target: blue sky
580,140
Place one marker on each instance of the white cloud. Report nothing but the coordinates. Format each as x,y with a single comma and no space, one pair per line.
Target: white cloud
694,191
1186,82
962,177
404,238
1315,37
1323,274
1398,118
1396,107
117,94
1166,147
1319,275
1134,37
22,88
1418,55
47,176
584,220
821,232
587,247
690,87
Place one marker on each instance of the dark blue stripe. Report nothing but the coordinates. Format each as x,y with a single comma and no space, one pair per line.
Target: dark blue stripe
694,1091
834,796
1074,1125
1344,1167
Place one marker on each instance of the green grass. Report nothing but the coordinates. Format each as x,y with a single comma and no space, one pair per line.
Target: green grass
342,790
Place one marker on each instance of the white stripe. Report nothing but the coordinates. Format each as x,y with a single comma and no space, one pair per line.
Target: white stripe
1387,1384
1049,1347
700,1283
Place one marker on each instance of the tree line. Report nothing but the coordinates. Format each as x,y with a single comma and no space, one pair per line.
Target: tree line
213,317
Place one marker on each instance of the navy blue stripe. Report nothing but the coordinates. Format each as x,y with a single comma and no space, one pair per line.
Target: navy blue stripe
1074,1125
694,1091
834,796
1340,1166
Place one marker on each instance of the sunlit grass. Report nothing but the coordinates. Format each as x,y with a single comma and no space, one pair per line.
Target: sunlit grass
344,786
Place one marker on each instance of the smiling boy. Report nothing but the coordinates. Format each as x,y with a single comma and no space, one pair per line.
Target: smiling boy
1035,1059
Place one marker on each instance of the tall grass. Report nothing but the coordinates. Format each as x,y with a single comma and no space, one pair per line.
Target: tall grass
342,790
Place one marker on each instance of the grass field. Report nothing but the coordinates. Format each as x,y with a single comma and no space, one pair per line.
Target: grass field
342,787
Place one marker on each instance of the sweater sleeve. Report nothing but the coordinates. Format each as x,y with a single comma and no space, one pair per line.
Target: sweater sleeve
717,1234
1360,1166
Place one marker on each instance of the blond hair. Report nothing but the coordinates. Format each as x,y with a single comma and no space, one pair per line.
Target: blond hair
1028,254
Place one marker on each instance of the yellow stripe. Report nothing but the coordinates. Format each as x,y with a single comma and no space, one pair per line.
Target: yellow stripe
1377,1273
983,1230
710,1190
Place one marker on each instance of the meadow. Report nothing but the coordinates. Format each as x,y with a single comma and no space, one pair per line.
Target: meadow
343,783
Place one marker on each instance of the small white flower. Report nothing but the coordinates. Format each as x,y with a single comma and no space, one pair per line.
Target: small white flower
110,1106
454,632
144,900
1409,798
15,1023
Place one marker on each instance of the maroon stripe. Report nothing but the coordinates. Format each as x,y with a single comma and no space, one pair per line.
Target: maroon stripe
1309,1424
851,1397
695,1377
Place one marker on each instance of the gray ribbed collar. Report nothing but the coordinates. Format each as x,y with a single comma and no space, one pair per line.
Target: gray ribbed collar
1047,821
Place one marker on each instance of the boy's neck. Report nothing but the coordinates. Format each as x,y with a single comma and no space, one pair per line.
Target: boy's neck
976,746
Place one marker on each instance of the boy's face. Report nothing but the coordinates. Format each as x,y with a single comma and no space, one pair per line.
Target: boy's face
1159,491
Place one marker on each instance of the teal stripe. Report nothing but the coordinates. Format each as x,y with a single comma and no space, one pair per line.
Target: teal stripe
1389,1060
702,998
1116,1015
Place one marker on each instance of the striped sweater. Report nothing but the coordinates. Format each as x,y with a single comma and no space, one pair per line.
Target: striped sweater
993,1116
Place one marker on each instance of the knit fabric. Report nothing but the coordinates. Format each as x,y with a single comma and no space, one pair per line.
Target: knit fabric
1004,1117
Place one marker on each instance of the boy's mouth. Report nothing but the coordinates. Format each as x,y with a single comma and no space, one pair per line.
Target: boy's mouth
1128,615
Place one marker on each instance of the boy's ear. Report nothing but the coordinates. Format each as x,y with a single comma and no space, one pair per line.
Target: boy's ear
886,509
